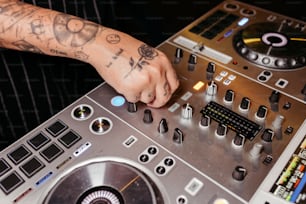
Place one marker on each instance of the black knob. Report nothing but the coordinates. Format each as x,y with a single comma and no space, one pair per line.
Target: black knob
245,104
162,126
132,107
262,112
147,118
178,136
229,96
178,55
192,61
210,70
274,99
267,135
205,121
221,130
238,141
239,173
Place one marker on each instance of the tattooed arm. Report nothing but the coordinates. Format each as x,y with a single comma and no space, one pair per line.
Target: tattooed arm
134,69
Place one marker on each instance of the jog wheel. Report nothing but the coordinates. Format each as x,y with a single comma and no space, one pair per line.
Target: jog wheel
272,45
104,183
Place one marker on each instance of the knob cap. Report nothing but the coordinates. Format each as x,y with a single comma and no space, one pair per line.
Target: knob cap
163,126
192,61
178,55
245,104
277,123
221,130
187,111
267,135
211,88
132,107
239,173
274,99
205,121
210,70
178,136
261,112
229,96
238,141
256,150
147,118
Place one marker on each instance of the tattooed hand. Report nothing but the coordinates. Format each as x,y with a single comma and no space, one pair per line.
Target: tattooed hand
134,69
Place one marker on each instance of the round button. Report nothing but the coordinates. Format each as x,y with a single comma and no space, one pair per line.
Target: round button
117,101
82,112
220,201
100,126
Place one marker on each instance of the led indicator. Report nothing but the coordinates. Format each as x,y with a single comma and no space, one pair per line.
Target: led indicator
243,21
198,85
117,101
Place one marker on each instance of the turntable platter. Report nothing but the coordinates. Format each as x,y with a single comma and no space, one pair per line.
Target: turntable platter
272,45
104,183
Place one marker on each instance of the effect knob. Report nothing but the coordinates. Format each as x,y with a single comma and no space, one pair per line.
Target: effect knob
245,104
267,135
187,111
261,112
192,61
238,141
221,130
210,70
147,118
239,173
178,136
229,96
274,99
162,126
211,89
205,121
132,107
178,55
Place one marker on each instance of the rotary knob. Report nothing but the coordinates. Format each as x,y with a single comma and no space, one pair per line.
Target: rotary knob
256,150
147,117
178,136
205,121
178,55
211,89
132,107
210,70
162,126
267,135
245,104
261,112
192,61
221,130
274,99
187,111
238,141
239,173
229,96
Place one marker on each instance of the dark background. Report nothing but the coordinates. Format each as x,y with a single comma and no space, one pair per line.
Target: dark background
45,85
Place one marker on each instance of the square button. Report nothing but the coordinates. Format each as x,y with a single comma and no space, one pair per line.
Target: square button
19,154
69,139
38,141
31,167
51,152
4,167
11,182
57,128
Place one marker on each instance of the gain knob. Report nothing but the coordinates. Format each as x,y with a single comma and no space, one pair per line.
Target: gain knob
178,136
210,70
229,96
147,117
261,112
211,89
256,150
132,107
187,111
192,61
205,121
267,135
274,99
239,173
178,55
162,126
221,130
245,104
238,141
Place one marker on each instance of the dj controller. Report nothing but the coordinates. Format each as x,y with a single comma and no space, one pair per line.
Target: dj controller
233,133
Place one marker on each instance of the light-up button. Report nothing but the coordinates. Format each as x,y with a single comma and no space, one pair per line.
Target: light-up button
194,186
117,101
232,77
220,201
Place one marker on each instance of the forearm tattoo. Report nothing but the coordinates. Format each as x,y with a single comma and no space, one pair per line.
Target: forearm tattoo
146,53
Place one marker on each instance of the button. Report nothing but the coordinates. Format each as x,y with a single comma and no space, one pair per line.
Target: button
82,112
220,201
117,101
19,154
56,128
38,141
11,182
181,200
194,186
160,170
69,139
51,152
31,167
4,167
144,158
100,126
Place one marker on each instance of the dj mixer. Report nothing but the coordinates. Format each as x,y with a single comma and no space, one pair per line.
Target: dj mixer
233,133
